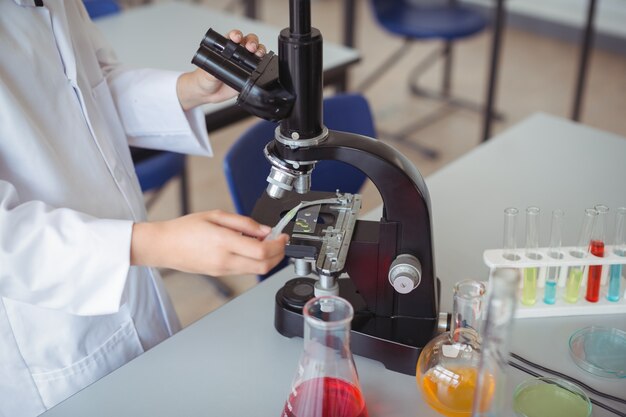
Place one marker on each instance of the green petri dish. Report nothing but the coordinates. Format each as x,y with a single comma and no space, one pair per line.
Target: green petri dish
550,397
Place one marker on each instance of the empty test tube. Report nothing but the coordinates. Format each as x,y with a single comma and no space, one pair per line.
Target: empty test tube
615,275
553,272
510,246
529,285
575,274
596,247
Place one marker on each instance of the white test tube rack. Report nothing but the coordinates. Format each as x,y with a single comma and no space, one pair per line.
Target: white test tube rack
494,259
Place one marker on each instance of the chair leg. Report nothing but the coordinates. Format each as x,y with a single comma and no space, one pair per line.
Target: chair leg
447,70
421,68
184,190
403,135
446,84
384,67
379,72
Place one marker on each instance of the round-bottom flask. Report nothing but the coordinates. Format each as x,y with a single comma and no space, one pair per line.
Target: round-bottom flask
447,368
326,382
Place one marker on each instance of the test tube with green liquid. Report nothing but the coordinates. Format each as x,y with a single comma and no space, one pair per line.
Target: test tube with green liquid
529,285
575,274
553,272
615,273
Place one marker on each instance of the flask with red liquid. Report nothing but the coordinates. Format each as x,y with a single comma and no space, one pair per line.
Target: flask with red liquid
326,382
596,247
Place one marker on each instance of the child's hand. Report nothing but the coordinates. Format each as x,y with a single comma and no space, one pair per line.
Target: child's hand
199,87
211,242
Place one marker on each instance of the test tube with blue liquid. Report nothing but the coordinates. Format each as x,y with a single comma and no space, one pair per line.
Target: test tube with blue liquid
529,286
575,273
619,249
553,272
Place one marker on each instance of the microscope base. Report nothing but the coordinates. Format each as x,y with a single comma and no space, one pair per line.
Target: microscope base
394,341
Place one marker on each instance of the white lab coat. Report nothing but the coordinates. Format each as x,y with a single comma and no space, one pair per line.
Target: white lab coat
71,307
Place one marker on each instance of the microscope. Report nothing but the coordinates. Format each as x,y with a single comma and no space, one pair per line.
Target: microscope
384,268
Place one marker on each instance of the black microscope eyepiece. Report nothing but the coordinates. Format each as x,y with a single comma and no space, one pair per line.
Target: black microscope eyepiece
256,79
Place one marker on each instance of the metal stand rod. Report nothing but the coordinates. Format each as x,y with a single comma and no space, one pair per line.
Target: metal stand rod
584,61
493,70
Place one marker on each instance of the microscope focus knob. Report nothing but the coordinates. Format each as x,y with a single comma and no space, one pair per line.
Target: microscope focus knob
405,273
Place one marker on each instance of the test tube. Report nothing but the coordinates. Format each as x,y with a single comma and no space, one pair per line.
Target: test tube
553,272
575,274
510,246
615,275
596,246
529,285
490,394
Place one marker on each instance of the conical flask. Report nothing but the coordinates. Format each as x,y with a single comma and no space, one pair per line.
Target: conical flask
326,382
448,365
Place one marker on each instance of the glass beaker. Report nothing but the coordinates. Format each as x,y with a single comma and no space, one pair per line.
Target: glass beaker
448,365
326,382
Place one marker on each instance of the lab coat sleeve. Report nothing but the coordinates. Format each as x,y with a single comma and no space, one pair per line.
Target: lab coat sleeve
148,106
59,258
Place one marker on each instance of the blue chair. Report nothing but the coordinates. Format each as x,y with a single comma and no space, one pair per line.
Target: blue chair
155,169
246,168
100,8
420,20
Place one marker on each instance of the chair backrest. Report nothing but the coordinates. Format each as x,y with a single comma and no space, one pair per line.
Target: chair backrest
246,168
156,170
100,8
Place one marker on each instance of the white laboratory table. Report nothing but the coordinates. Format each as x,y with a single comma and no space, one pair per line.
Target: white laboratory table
167,36
233,363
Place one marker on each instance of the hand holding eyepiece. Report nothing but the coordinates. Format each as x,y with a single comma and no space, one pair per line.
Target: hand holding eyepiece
256,79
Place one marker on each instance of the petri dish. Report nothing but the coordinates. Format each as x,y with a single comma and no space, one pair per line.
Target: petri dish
600,351
550,397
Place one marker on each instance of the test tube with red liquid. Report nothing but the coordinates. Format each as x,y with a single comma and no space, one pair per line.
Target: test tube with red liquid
596,247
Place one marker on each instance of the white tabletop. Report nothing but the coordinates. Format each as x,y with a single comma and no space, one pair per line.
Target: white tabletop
232,362
167,36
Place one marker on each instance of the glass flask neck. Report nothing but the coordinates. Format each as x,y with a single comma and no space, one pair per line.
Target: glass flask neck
467,310
327,325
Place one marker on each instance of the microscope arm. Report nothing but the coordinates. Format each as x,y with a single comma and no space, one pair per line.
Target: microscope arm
405,200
